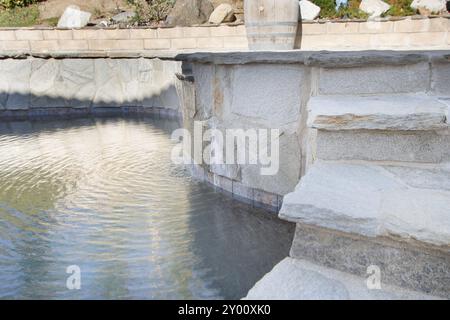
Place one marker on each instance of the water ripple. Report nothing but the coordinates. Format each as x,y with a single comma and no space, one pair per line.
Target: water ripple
103,194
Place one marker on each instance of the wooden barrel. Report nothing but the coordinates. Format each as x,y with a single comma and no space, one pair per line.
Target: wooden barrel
271,24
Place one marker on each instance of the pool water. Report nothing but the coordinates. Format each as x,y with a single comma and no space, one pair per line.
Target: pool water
102,194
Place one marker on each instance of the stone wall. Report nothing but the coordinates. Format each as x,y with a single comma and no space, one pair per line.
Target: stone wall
357,35
264,90
32,85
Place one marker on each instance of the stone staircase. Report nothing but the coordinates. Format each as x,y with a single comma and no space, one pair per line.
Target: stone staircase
377,188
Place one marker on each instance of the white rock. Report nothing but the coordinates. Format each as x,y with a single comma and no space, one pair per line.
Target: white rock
73,17
223,13
125,16
308,10
434,6
295,279
374,8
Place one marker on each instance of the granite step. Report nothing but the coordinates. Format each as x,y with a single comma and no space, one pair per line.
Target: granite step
350,216
397,128
374,200
296,279
407,264
403,112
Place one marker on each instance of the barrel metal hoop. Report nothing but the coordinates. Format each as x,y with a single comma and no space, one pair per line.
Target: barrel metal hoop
275,34
270,24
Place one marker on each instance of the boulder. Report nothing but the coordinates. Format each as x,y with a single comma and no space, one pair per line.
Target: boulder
308,10
73,17
125,16
429,6
189,12
374,8
223,13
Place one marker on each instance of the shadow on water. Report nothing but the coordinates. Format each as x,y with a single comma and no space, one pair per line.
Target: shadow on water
103,194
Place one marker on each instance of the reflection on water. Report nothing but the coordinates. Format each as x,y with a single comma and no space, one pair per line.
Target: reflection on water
102,194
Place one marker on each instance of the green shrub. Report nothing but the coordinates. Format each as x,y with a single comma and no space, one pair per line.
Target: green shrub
400,8
9,4
19,17
327,8
149,11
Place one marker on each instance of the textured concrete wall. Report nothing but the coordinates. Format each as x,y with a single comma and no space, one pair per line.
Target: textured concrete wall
400,34
33,83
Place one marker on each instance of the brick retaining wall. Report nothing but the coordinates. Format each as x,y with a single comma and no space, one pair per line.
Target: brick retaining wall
399,34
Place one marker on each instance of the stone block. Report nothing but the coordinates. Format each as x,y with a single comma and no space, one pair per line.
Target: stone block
240,30
237,42
230,171
113,34
287,175
268,94
176,32
210,43
43,82
116,45
186,43
223,31
223,183
76,82
295,279
196,32
427,39
142,34
57,34
23,34
377,79
109,85
73,45
389,40
314,28
438,24
376,27
44,45
421,268
381,112
343,27
421,146
243,191
7,35
440,81
265,198
204,76
156,44
85,34
322,42
352,41
22,45
15,84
